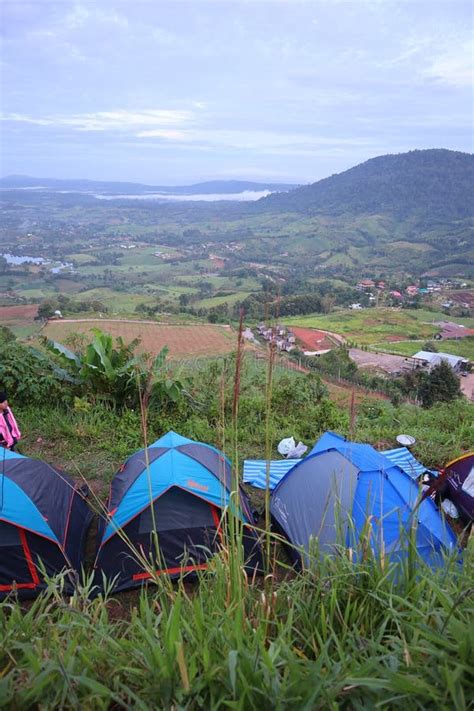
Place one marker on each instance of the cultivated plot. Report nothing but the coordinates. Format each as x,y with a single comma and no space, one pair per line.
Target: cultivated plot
183,341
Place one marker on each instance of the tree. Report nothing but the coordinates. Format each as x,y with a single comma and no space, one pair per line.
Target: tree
440,385
184,299
46,309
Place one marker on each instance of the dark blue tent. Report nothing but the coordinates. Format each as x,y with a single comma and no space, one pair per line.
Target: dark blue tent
175,492
43,522
341,487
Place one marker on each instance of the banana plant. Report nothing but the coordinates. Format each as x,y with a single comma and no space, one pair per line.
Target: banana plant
113,372
104,368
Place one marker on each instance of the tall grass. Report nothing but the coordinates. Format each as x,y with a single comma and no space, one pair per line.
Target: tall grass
350,631
340,635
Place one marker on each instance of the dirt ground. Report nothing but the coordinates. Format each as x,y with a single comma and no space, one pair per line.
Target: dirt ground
312,339
17,314
467,386
183,341
382,361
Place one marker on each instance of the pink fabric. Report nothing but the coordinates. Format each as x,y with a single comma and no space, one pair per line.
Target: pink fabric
5,432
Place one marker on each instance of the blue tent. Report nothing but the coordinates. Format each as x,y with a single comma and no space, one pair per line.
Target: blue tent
341,487
43,522
174,491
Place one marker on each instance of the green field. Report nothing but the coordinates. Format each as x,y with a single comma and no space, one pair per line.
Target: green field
377,325
463,348
221,299
116,301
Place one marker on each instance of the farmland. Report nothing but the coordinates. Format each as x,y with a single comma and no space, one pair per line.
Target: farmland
183,341
312,339
377,325
20,319
463,347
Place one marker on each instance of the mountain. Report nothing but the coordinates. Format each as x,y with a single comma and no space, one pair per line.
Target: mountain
434,183
221,187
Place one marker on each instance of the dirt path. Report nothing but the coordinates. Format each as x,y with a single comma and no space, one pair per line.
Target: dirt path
467,386
130,320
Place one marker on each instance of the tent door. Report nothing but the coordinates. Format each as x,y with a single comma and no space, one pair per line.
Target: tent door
185,516
17,569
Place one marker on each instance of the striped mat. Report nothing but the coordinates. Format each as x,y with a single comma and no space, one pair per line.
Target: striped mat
402,457
255,471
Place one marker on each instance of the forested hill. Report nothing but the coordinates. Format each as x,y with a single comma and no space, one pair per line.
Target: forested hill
436,183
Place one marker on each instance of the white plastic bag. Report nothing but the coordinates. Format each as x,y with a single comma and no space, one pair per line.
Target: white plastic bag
289,449
449,508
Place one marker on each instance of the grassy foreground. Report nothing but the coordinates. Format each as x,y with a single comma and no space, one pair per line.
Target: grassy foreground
341,636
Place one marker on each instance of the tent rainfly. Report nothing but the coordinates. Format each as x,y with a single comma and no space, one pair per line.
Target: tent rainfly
43,522
173,496
342,486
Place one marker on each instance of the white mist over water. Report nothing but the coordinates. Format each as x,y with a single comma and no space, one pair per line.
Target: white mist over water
245,196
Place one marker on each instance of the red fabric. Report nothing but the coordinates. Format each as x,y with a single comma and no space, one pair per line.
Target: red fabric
31,568
171,571
9,437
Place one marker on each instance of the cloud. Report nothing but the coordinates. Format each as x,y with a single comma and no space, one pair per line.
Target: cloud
453,66
119,120
181,128
253,139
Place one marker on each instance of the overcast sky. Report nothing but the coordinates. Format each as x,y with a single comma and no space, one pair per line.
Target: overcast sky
177,92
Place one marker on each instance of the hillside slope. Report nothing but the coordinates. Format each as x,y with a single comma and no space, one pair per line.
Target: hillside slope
433,183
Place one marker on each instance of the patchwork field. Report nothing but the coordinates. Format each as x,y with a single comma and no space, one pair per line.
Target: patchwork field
377,325
185,341
20,318
463,347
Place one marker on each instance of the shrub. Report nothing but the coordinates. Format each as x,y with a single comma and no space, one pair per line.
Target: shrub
30,377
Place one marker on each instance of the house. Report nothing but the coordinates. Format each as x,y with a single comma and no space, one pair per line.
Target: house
365,284
355,307
428,360
396,295
448,329
248,334
412,290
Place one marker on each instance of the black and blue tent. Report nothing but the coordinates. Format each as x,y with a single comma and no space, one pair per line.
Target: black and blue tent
43,523
172,496
343,487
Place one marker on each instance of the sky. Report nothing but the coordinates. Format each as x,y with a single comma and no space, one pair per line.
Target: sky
179,92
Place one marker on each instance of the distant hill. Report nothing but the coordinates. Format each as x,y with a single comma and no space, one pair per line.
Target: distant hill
410,213
429,184
222,187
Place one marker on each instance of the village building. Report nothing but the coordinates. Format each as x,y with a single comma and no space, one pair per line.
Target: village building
451,330
365,284
428,360
248,334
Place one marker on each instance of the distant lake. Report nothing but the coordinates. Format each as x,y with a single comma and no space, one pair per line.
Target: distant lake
245,196
15,260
